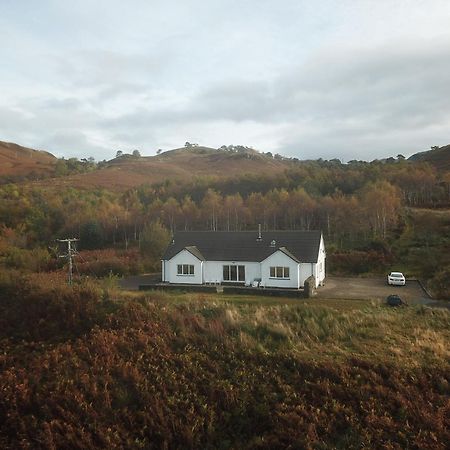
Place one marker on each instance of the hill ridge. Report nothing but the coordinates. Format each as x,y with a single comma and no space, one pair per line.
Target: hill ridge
127,171
439,157
17,161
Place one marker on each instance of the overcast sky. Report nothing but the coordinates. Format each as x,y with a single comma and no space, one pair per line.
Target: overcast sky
325,78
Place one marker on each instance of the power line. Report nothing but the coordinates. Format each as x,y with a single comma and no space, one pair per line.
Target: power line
71,252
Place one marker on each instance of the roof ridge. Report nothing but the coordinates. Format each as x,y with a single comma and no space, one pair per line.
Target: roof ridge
300,245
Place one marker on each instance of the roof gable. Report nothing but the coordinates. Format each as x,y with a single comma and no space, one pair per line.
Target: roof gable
194,251
301,246
284,252
288,253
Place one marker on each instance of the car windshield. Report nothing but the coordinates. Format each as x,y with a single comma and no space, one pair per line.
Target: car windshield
396,275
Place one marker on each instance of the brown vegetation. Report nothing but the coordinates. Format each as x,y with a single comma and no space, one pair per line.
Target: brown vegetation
439,157
128,172
17,162
79,370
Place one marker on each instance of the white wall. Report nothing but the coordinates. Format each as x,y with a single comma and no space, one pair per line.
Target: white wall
306,270
320,269
213,270
280,259
184,257
317,270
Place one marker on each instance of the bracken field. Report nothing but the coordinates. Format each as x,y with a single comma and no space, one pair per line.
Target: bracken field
92,367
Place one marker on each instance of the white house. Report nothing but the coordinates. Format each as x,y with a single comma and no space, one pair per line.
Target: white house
282,259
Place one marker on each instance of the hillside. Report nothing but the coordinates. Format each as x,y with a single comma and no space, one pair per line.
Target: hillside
181,164
437,157
20,162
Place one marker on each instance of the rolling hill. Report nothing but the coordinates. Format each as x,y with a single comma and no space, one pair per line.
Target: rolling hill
437,157
182,164
17,162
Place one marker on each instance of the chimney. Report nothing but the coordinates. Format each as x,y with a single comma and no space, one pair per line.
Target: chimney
259,233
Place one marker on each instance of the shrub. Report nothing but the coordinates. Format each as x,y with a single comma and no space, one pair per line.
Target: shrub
91,235
440,284
357,262
29,310
102,263
184,376
35,260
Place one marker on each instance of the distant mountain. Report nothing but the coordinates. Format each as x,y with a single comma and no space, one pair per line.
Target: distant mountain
17,162
438,157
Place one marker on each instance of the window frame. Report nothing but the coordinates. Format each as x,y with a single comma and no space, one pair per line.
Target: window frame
233,273
280,272
185,270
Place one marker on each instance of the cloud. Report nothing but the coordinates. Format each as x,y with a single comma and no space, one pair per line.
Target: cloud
348,103
333,79
71,140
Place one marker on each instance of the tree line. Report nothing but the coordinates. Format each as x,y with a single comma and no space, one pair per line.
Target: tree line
347,202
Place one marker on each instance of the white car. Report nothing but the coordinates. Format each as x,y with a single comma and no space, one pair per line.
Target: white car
396,279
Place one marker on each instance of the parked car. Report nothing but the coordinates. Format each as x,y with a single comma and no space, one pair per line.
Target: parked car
395,300
396,279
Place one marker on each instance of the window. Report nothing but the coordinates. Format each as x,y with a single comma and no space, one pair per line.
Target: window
241,273
279,272
185,269
233,273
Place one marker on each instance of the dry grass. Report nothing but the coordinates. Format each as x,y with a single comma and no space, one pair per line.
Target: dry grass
182,165
16,160
321,328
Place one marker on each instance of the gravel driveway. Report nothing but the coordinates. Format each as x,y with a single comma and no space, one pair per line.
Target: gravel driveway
338,287
376,288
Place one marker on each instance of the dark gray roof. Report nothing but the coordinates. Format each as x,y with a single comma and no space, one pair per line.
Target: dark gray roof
288,253
302,246
195,251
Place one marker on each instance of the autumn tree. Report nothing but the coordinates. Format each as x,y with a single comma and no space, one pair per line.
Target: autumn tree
258,209
381,202
301,210
170,212
154,239
211,208
189,212
91,235
233,210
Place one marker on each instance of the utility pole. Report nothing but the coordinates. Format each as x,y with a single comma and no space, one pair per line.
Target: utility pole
70,254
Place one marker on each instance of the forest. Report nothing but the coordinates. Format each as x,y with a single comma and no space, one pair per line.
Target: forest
373,215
